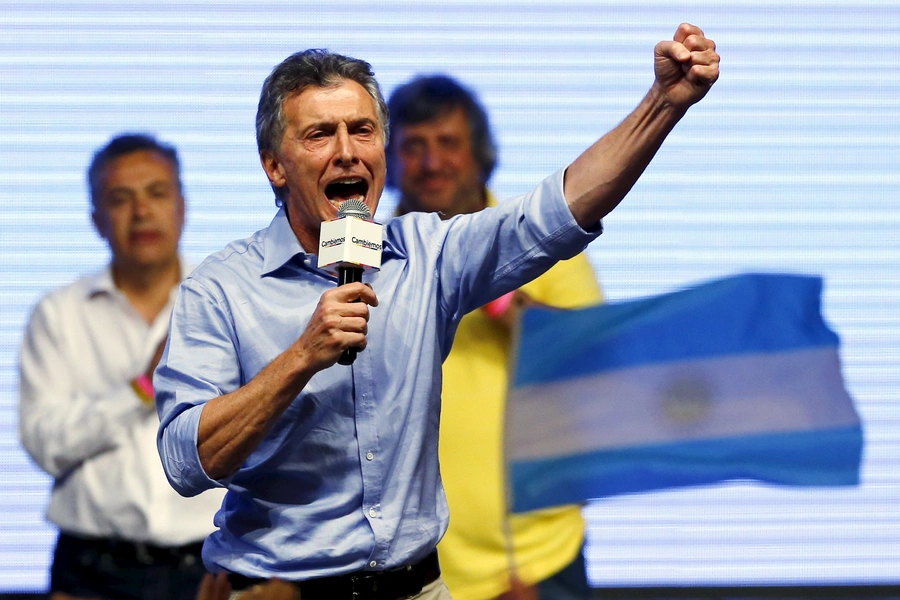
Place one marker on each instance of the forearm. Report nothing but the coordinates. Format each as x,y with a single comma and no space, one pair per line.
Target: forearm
602,176
685,68
63,421
205,433
62,430
232,426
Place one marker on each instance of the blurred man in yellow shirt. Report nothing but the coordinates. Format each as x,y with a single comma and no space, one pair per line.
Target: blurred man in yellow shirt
440,158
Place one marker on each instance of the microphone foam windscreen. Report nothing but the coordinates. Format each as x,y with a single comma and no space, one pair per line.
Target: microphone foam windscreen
354,208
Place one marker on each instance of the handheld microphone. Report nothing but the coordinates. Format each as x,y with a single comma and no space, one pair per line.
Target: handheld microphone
350,244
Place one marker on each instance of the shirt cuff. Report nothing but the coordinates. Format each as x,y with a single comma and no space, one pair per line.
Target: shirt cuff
180,457
568,235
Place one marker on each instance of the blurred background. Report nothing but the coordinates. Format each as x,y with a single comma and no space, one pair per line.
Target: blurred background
789,165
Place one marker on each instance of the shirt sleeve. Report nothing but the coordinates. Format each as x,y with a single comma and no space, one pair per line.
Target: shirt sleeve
499,249
569,283
60,426
200,363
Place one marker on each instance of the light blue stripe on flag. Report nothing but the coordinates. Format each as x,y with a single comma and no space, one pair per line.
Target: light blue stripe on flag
734,379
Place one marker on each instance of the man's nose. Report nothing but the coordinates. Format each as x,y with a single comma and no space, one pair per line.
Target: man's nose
141,207
345,149
431,158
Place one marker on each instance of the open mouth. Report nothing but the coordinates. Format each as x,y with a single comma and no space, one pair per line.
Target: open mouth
346,189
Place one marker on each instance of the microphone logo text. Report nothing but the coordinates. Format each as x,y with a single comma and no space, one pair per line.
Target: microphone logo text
365,243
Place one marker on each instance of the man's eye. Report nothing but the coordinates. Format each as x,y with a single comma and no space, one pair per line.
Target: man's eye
116,201
412,148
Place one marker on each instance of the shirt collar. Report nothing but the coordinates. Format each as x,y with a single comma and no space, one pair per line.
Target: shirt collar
281,247
280,244
103,282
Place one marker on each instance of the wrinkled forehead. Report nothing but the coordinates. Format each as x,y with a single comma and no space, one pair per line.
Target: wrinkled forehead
338,98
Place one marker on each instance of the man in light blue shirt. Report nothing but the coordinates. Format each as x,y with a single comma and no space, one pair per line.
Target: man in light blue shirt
332,471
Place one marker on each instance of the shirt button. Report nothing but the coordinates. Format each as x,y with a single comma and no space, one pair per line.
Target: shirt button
369,456
373,564
372,512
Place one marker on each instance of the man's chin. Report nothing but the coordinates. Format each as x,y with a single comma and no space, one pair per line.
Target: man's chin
435,203
147,260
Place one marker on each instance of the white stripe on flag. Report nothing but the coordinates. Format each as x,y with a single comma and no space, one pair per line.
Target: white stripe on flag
685,400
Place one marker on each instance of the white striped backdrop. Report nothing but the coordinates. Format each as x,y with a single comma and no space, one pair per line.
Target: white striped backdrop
790,164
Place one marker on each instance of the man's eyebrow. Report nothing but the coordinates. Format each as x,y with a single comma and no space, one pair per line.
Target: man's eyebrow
119,189
329,125
161,184
130,189
363,121
160,181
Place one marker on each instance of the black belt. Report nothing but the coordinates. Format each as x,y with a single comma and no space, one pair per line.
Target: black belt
393,584
127,552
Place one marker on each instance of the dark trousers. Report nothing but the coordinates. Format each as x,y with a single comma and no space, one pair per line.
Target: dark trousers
569,584
120,570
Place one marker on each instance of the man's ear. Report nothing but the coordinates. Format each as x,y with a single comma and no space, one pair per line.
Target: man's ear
181,212
100,225
273,168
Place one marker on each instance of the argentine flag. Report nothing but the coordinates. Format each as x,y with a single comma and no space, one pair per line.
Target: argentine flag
738,378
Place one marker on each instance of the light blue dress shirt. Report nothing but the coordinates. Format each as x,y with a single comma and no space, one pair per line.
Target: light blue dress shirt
348,477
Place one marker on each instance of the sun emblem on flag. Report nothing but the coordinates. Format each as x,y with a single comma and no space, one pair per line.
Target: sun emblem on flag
687,399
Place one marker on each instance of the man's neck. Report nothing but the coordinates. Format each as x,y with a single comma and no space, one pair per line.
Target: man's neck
309,240
147,288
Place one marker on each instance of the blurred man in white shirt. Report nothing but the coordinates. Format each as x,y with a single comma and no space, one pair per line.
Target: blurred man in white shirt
87,415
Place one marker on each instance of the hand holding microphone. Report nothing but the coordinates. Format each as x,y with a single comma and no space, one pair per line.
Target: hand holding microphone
351,245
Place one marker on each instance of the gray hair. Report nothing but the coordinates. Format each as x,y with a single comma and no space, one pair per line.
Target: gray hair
127,143
314,67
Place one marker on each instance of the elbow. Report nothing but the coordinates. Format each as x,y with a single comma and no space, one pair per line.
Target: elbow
181,485
42,453
181,464
180,476
215,469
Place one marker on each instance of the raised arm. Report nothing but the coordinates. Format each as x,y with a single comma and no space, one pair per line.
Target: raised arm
599,179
